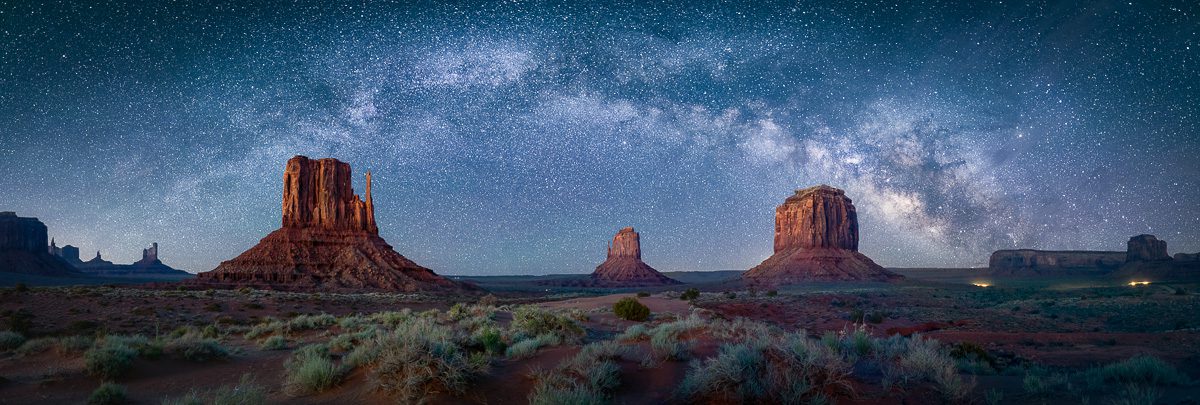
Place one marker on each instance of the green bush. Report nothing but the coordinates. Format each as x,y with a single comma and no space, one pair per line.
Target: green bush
491,340
274,342
529,320
197,349
875,317
110,359
310,371
11,340
420,359
630,309
1145,370
587,378
690,294
643,294
791,368
107,394
525,348
246,392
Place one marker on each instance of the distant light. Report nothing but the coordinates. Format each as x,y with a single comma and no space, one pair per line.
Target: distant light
1137,283
984,285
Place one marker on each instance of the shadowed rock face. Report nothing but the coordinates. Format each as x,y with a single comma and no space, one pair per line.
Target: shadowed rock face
816,239
24,248
1146,248
328,241
1037,262
624,266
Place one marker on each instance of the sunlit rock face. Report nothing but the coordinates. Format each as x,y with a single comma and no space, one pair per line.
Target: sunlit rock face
328,241
624,266
816,239
24,248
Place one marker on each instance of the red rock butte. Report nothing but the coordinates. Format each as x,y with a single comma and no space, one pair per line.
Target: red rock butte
816,239
328,241
624,266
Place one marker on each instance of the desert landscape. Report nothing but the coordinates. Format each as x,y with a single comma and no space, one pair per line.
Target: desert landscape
586,203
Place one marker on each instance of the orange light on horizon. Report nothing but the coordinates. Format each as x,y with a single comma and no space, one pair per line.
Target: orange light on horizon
983,285
1137,283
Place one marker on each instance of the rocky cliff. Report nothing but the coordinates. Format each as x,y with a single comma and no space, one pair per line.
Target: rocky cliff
24,248
328,241
1146,248
816,239
1029,262
624,266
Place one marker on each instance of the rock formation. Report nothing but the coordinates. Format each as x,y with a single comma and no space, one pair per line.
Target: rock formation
1146,248
624,266
23,248
1187,257
149,265
328,241
816,239
1029,262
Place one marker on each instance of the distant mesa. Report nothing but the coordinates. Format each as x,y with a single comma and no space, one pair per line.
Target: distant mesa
328,241
1145,255
1029,262
23,248
149,265
816,239
624,266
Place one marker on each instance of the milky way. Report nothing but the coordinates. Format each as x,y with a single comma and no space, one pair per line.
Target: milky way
517,137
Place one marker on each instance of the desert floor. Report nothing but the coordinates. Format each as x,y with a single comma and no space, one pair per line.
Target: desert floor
916,341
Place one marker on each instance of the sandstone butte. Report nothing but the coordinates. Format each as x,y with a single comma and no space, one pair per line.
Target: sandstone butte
23,248
624,266
328,241
816,239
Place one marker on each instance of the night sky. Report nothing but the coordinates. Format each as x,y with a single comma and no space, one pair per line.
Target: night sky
519,137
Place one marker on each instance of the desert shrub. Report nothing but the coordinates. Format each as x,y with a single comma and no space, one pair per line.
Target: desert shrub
643,294
107,394
310,371
791,368
527,347
856,315
20,287
875,317
1039,382
587,378
265,328
772,293
491,340
275,342
19,321
73,344
343,342
690,294
197,349
1144,370
34,346
488,300
730,295
11,340
213,307
109,359
420,359
245,392
1133,394
630,309
634,332
391,318
665,344
919,359
308,322
529,320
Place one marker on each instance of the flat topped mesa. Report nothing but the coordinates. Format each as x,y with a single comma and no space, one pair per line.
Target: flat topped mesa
816,239
328,241
318,194
624,266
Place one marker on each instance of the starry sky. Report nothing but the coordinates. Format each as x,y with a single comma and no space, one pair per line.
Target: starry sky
517,137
